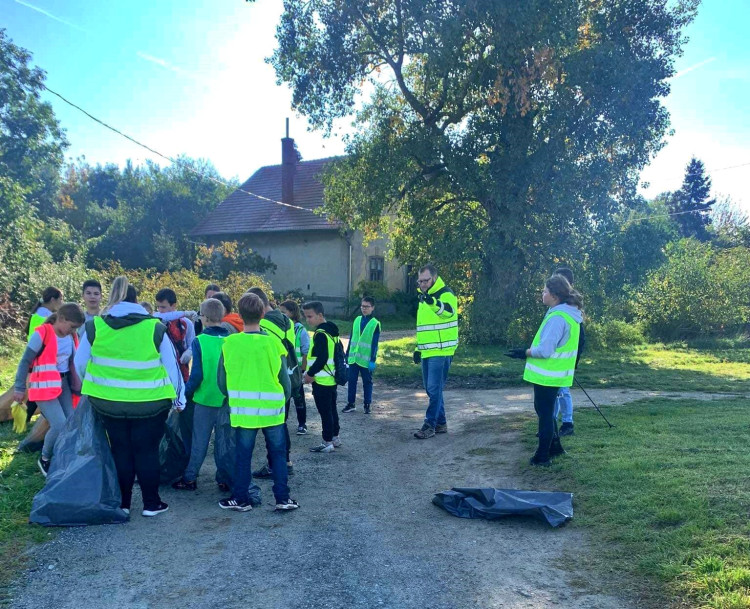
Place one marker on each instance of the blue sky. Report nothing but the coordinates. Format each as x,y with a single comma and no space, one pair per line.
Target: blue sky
189,77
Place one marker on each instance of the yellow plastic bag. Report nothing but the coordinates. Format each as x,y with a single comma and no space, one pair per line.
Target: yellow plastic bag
18,410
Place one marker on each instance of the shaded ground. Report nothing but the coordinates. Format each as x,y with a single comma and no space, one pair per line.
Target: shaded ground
365,536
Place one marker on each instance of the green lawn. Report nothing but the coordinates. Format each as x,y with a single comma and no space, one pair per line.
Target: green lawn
665,495
723,367
20,480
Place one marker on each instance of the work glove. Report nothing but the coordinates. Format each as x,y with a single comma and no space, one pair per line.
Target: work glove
192,315
178,405
186,357
426,298
518,353
417,357
371,366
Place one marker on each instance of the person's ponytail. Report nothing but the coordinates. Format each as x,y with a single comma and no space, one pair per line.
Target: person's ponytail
50,293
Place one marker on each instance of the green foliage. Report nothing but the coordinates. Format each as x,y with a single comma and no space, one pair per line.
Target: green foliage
219,261
613,334
31,140
695,194
699,290
498,135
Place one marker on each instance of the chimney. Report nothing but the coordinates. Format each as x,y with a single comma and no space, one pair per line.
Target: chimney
288,167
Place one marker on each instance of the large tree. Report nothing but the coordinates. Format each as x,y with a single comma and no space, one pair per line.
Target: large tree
496,130
31,140
691,205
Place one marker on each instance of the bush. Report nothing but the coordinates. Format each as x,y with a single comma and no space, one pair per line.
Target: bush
699,291
613,334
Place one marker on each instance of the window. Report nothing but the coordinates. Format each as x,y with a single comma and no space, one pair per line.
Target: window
376,268
411,280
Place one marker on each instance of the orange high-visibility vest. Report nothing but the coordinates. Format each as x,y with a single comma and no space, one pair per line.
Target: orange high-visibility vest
45,382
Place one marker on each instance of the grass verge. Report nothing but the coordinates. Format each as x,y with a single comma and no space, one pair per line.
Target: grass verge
716,368
666,496
19,482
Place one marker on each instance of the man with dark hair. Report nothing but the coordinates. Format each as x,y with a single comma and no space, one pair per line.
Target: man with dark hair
437,339
564,401
211,290
180,331
321,374
362,353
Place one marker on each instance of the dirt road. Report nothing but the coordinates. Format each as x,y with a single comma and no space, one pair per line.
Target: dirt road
366,535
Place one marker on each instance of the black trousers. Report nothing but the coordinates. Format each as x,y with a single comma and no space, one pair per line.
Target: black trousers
300,406
325,402
135,448
544,405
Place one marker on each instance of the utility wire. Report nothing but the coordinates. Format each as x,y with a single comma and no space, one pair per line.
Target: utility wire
168,158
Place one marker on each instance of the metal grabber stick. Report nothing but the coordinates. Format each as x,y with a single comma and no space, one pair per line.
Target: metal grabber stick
593,402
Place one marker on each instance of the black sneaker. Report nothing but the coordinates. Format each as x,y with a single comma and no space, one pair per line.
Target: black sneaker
566,429
540,462
349,408
43,466
155,510
263,472
185,485
367,409
234,505
302,430
286,506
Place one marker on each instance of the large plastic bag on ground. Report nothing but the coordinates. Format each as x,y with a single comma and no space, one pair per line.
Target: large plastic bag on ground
34,440
173,458
81,486
6,401
492,504
224,450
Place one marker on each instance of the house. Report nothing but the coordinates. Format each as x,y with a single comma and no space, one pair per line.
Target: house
312,254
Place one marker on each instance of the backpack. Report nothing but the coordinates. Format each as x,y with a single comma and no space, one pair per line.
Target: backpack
340,367
176,330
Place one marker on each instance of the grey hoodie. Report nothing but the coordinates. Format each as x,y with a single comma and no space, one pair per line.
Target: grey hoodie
557,332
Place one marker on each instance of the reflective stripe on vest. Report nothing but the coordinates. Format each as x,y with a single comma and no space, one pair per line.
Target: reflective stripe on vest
437,335
252,363
326,375
559,369
45,381
125,365
360,346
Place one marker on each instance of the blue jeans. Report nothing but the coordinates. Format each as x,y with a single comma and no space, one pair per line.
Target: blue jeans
276,443
205,420
354,371
434,374
565,403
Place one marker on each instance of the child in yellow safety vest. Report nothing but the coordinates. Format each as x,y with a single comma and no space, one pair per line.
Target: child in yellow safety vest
256,384
362,354
49,357
211,413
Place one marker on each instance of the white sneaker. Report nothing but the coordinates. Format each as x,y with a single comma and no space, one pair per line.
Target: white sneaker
336,442
323,447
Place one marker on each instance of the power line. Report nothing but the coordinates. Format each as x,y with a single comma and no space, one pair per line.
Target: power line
168,158
726,168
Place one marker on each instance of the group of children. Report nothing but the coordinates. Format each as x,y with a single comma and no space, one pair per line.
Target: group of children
247,368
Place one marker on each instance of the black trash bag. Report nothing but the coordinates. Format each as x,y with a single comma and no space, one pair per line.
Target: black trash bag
186,425
173,458
81,486
493,503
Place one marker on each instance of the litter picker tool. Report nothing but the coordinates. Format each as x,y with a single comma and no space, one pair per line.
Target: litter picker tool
593,402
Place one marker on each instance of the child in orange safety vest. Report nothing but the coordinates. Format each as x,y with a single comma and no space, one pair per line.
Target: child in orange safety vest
49,357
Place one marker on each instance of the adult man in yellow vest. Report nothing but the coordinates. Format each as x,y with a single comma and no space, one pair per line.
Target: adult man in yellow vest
437,339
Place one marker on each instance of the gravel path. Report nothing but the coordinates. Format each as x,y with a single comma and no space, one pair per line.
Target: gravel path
366,534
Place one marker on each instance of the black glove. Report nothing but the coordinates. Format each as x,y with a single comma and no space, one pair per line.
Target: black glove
428,299
420,298
518,353
417,357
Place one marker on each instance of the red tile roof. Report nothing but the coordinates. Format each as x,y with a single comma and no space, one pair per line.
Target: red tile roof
244,213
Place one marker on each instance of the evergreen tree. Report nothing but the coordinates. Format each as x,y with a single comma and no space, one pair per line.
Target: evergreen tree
694,195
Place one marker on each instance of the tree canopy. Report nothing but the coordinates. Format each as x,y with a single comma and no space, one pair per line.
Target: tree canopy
498,134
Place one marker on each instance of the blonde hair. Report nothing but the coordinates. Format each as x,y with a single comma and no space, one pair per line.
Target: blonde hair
117,292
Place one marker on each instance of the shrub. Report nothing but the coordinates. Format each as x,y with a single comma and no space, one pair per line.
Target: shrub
613,334
697,292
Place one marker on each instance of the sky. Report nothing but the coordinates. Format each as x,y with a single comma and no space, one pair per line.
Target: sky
190,78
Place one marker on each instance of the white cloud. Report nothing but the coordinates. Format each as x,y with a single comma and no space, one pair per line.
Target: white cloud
48,14
700,64
164,64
